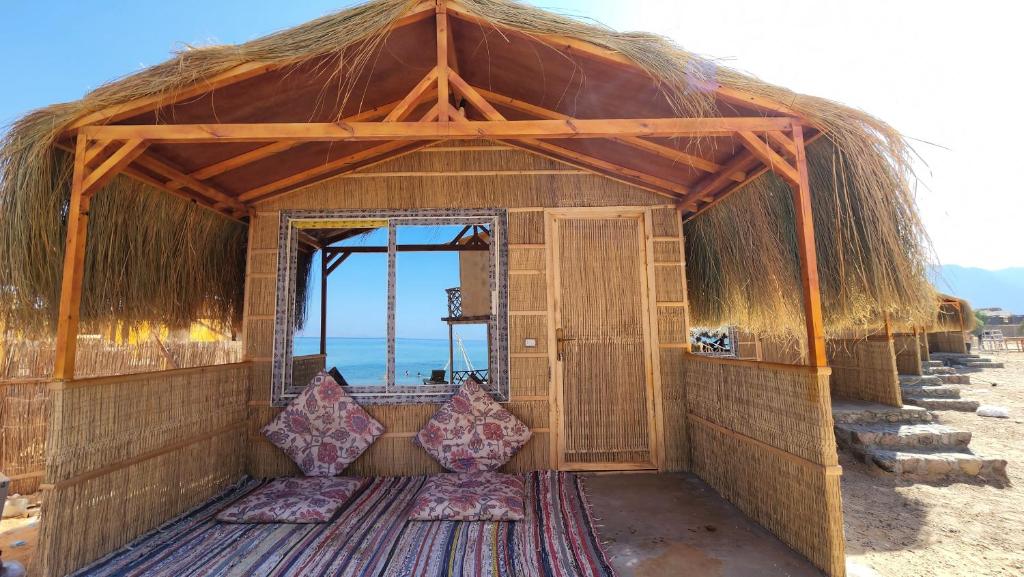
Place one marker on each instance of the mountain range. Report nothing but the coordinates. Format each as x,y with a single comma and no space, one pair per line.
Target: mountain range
982,288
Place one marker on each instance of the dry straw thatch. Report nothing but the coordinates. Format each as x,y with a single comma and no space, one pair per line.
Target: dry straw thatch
743,262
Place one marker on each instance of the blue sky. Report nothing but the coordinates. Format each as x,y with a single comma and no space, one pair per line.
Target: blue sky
920,65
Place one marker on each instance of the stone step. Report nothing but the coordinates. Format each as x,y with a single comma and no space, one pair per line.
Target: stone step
858,437
983,365
940,404
931,391
933,465
847,411
940,370
932,364
953,357
955,379
920,380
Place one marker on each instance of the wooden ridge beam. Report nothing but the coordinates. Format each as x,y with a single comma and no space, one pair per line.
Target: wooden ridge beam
424,130
766,154
441,29
665,152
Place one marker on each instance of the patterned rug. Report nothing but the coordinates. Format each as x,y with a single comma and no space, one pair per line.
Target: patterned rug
372,538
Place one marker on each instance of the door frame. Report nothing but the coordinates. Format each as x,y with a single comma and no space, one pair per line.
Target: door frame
649,315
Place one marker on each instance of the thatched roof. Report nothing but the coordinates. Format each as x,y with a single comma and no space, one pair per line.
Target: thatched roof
154,257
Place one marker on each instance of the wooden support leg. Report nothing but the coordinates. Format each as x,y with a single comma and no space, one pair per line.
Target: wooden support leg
323,302
808,255
74,270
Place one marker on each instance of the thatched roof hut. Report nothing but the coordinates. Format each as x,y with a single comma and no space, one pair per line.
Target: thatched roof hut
742,265
627,187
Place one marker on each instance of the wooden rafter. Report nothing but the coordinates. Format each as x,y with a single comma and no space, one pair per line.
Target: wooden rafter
566,155
413,98
766,154
712,183
665,152
173,174
782,141
98,178
574,46
363,131
351,160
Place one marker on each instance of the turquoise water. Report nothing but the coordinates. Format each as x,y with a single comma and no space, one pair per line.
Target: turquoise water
363,361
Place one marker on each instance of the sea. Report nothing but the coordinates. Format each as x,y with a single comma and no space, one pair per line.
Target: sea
362,361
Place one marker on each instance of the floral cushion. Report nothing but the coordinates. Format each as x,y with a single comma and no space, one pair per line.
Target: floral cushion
480,496
293,500
471,432
323,429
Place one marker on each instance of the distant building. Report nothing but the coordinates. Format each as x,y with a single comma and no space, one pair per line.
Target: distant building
998,317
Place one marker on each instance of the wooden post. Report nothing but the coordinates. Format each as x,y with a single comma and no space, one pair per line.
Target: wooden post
442,61
808,255
74,269
323,302
451,354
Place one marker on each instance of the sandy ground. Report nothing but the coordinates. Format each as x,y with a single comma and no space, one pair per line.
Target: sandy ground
901,529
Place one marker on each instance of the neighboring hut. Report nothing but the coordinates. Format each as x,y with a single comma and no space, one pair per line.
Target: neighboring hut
951,324
192,183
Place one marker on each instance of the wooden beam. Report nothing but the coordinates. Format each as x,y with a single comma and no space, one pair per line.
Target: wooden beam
363,131
102,174
405,106
74,269
766,154
265,191
665,152
231,76
441,20
808,255
172,173
484,107
239,161
783,141
574,46
94,150
714,182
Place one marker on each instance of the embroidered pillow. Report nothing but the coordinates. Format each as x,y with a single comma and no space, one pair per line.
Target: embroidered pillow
471,432
323,429
479,496
293,500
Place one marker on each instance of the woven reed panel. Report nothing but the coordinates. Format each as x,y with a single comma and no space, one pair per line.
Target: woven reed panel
604,386
95,425
265,460
466,160
665,222
534,456
667,251
672,326
504,190
264,230
947,342
305,368
787,409
783,351
24,412
534,414
394,456
521,258
118,450
259,338
529,376
668,283
522,327
526,227
262,297
259,380
262,262
673,403
402,418
799,504
864,369
527,292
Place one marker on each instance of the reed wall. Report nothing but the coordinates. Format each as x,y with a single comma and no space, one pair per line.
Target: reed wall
922,342
127,453
908,353
947,342
528,185
24,409
864,368
761,435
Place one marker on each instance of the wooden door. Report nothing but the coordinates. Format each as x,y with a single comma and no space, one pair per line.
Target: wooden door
604,375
